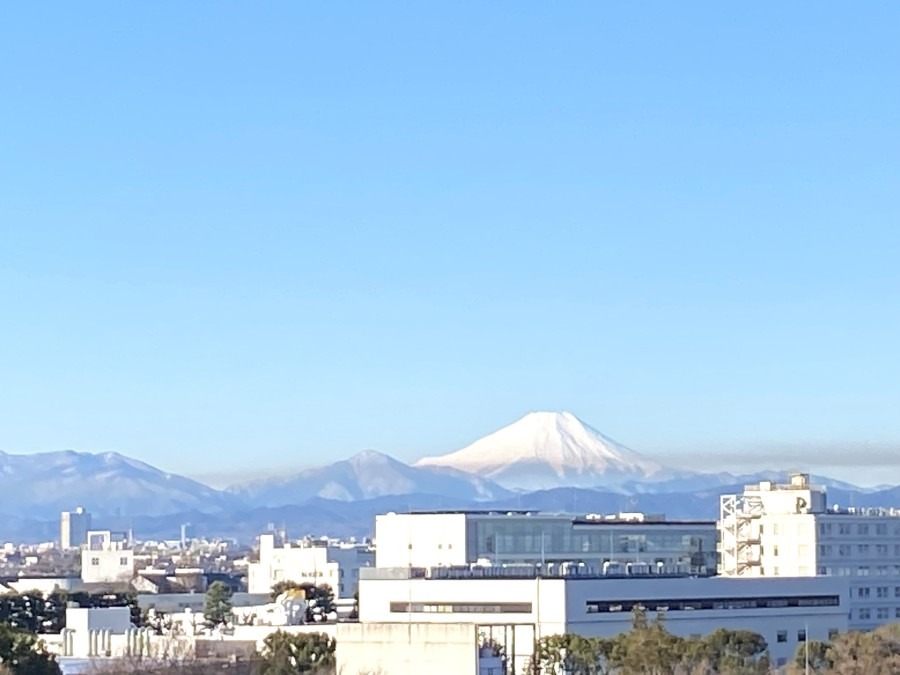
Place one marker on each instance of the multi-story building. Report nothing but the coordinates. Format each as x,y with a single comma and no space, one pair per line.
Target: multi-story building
106,559
456,538
320,562
774,530
73,528
433,620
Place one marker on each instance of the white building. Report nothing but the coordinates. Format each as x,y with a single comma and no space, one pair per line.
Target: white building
448,538
73,528
402,613
774,530
317,562
105,559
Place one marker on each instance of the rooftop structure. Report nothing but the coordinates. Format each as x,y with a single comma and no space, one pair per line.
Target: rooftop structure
459,538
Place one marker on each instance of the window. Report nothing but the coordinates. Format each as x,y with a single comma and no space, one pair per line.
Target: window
862,529
881,530
881,613
897,612
897,591
881,592
95,562
825,550
881,550
462,607
863,549
844,549
843,528
865,613
123,562
881,570
862,592
833,633
801,635
775,550
721,603
863,570
782,636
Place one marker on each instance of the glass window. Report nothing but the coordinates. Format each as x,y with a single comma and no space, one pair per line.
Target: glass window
782,636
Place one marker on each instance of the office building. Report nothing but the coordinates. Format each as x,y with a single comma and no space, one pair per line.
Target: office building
73,528
431,620
447,538
789,530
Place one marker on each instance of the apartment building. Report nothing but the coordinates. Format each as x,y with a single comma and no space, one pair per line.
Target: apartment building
789,530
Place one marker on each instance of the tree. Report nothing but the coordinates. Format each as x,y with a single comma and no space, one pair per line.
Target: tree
218,603
318,597
288,654
737,651
21,653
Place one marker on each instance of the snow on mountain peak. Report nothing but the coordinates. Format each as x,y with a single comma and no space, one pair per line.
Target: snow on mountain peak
546,449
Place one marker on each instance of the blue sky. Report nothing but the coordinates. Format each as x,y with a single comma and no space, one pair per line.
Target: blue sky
242,237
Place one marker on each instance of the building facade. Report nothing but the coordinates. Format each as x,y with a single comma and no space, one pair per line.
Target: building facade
436,539
517,611
318,562
106,559
788,530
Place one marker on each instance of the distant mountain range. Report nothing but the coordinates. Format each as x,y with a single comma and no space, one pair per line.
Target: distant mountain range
544,461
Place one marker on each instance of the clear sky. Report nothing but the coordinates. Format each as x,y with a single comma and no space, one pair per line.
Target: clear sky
240,237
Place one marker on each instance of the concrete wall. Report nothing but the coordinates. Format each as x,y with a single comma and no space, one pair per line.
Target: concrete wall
406,649
104,566
404,540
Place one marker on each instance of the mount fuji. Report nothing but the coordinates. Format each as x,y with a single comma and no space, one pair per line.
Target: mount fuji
551,449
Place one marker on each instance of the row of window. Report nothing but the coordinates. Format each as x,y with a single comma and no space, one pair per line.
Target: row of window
859,571
879,550
462,607
782,635
676,605
862,529
123,562
866,613
880,592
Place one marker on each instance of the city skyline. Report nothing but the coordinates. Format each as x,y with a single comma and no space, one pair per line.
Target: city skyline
312,232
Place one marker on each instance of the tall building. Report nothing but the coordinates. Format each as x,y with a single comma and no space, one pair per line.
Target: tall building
318,562
774,530
458,538
73,528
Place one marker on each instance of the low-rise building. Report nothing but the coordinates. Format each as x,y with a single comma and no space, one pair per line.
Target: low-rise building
106,559
517,607
318,562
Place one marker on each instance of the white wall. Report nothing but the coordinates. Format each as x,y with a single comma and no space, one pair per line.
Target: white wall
107,566
337,566
561,605
420,540
406,649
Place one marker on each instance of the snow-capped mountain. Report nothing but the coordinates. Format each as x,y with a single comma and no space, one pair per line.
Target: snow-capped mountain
43,484
367,475
546,450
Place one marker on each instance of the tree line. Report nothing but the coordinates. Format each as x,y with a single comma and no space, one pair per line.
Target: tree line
650,649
